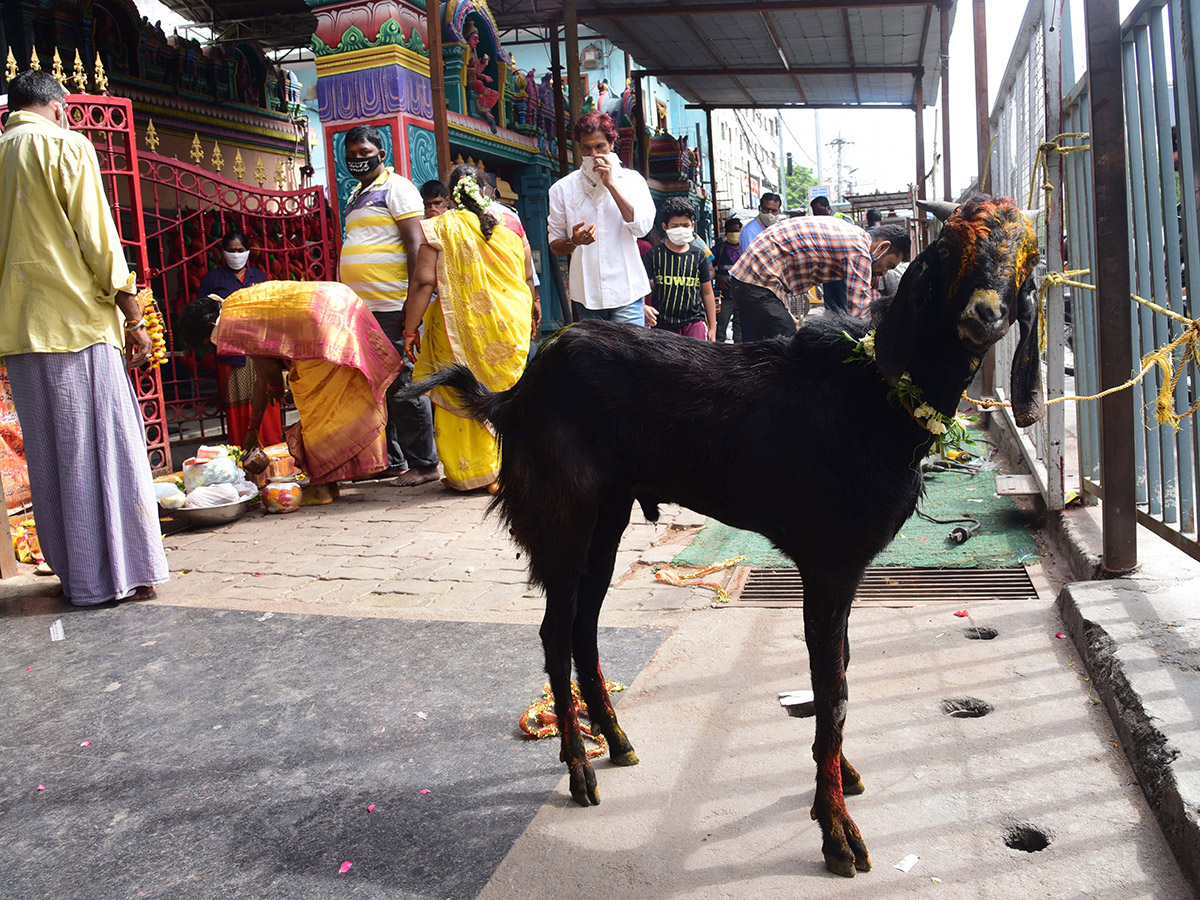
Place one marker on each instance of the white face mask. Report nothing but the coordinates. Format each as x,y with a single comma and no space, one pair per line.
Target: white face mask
236,261
768,219
682,235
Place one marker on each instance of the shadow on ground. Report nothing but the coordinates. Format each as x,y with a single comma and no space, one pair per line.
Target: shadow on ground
236,753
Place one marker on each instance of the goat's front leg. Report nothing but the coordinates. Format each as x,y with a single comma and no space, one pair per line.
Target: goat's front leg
556,641
826,610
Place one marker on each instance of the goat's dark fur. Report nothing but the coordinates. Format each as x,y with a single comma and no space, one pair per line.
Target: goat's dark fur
783,437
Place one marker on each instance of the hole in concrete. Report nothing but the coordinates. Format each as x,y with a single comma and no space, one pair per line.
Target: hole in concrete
966,708
981,633
1027,838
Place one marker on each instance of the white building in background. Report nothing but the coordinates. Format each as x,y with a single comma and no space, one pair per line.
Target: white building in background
747,152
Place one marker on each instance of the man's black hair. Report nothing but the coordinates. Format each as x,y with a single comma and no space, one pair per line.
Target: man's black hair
365,133
874,217
897,234
33,88
770,196
733,223
820,201
677,206
197,320
490,179
433,190
235,234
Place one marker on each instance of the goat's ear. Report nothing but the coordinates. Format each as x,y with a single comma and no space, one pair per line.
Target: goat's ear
896,336
1025,384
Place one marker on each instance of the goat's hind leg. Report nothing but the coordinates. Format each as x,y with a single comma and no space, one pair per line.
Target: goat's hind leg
610,525
827,599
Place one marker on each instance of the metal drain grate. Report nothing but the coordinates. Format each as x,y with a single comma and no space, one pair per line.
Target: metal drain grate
896,586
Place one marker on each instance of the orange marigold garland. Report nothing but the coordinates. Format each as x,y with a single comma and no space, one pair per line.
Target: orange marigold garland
154,325
539,721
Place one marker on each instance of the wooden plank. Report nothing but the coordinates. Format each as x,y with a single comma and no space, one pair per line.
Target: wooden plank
1017,486
8,555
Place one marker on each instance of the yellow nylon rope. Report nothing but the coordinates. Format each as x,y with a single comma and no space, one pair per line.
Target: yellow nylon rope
1163,357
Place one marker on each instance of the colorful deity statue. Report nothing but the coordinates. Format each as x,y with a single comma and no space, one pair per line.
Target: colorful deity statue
483,98
533,107
518,94
546,113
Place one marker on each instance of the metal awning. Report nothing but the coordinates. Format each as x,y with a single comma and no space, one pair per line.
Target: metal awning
275,24
769,53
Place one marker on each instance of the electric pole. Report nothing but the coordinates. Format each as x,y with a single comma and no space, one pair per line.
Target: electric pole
840,147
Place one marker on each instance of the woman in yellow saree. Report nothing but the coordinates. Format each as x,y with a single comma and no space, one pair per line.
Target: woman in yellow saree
484,316
339,364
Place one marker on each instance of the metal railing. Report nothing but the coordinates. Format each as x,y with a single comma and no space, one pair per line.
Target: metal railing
1162,120
1019,124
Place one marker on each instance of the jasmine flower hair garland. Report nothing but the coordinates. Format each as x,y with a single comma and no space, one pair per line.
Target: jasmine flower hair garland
469,187
949,432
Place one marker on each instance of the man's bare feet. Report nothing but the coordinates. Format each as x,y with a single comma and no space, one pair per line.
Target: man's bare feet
415,475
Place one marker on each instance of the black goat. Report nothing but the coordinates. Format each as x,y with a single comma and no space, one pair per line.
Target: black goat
784,437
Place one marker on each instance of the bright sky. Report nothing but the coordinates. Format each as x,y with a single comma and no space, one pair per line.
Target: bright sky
884,150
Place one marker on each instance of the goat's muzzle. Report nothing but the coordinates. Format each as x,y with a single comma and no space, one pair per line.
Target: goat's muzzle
984,320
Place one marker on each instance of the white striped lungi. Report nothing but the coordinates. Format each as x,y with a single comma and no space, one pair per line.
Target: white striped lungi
93,494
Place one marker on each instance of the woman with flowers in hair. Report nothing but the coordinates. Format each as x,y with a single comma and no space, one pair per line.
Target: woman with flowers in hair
484,316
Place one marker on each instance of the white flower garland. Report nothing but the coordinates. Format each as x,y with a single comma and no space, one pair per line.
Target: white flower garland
949,432
469,187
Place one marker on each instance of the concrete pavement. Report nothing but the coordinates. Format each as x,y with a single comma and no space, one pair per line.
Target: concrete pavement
719,805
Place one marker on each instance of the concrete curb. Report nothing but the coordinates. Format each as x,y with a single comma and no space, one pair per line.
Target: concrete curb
1140,641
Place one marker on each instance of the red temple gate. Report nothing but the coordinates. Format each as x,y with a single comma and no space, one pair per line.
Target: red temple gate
186,211
171,216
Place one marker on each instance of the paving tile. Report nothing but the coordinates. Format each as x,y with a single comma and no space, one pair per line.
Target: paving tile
338,591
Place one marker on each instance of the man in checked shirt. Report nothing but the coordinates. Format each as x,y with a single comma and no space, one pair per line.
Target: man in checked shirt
793,256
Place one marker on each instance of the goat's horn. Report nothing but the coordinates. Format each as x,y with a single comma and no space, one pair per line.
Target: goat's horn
1032,214
943,209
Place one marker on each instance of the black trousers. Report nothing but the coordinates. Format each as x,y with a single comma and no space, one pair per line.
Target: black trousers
765,312
727,315
410,422
835,295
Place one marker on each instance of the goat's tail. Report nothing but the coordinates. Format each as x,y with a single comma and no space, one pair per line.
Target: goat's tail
477,399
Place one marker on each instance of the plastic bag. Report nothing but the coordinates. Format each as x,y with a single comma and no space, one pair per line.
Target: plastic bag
172,499
211,495
220,470
245,489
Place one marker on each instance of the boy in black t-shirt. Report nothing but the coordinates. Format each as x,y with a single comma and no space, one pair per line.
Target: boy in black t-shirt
681,298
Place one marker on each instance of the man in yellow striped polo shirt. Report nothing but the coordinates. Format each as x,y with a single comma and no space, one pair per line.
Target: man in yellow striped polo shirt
383,231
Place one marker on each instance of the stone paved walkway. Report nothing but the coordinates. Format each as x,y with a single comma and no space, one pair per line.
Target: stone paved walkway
423,552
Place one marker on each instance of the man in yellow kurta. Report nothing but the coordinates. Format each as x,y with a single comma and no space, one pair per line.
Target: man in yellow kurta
67,309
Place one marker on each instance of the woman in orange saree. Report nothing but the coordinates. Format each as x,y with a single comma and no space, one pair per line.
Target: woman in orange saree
339,364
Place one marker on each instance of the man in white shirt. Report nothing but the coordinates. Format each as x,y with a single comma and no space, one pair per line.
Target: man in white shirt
597,213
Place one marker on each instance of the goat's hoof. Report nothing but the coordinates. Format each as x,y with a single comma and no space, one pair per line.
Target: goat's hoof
628,758
583,784
839,865
850,788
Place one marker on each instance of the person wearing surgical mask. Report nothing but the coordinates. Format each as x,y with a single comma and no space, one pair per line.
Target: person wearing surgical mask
681,299
235,379
799,254
768,215
597,213
382,222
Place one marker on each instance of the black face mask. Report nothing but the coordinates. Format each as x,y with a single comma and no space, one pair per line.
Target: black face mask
360,167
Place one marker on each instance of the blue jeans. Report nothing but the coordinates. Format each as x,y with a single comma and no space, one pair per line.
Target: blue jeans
633,314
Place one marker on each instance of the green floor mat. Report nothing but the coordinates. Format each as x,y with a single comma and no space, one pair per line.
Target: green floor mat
1003,540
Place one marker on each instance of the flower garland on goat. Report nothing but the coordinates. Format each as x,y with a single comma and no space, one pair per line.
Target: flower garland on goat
949,432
